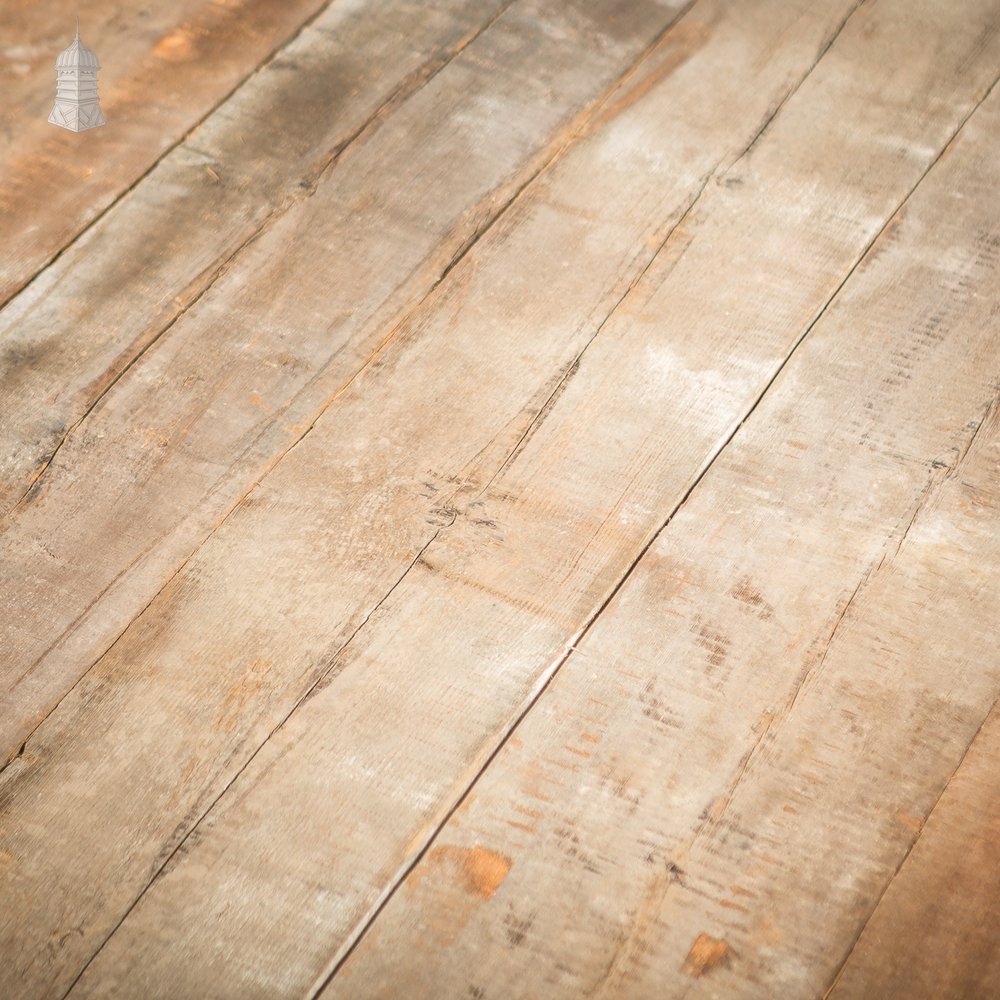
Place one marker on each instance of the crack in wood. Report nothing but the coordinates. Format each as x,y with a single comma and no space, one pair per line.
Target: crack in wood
824,48
838,974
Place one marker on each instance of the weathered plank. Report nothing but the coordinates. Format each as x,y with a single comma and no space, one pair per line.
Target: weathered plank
713,791
934,932
321,823
86,319
182,436
168,718
164,67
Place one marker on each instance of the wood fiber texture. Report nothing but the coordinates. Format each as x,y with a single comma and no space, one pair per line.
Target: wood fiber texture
500,500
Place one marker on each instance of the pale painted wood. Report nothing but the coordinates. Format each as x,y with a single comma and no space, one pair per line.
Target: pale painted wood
934,932
163,724
164,66
369,764
716,788
287,323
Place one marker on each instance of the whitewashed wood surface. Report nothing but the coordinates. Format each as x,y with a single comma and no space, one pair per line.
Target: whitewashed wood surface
502,502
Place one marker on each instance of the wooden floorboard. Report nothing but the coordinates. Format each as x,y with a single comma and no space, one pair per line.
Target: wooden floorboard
154,255
164,68
274,334
731,764
934,931
403,513
506,507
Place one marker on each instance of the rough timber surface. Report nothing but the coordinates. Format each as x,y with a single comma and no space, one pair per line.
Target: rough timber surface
201,707
934,932
116,290
730,766
134,483
556,560
164,66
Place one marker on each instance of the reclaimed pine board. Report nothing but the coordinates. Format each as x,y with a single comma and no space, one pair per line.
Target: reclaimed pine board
164,66
212,668
934,931
91,314
366,769
712,794
180,438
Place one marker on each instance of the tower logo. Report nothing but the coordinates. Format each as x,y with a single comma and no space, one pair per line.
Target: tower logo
76,106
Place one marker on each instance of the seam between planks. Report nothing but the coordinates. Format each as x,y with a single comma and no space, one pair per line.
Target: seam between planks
573,367
549,674
407,88
777,108
838,974
566,138
270,57
906,855
324,678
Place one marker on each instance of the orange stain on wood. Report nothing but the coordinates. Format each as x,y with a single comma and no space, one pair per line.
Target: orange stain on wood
911,822
478,870
247,689
730,905
533,813
706,953
521,826
177,46
484,871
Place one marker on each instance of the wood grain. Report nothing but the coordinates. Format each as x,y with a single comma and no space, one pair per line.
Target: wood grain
323,821
163,68
283,326
934,932
165,722
713,792
89,316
